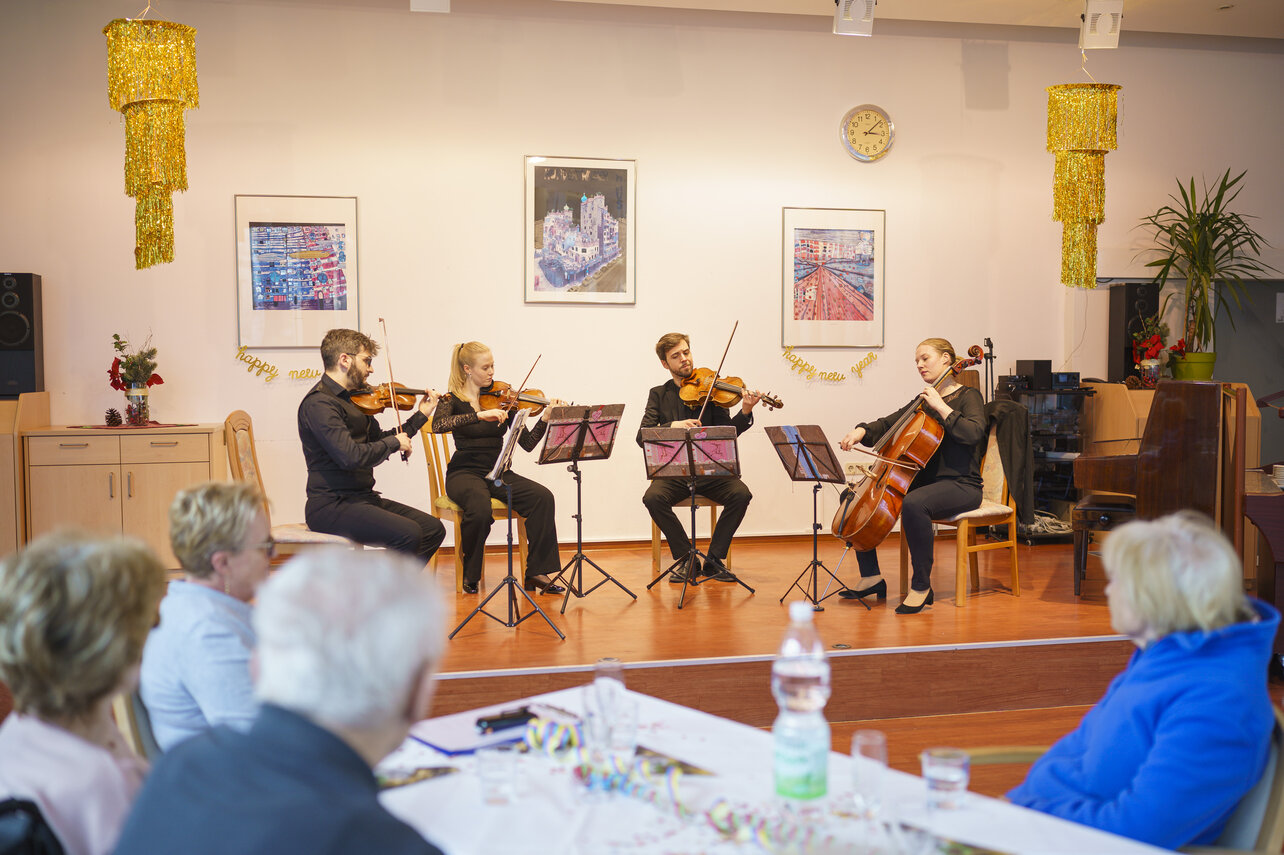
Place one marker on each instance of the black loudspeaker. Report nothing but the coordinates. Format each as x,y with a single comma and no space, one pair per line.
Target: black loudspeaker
22,352
1129,303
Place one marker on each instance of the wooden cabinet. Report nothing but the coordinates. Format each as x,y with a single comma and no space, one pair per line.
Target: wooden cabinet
117,481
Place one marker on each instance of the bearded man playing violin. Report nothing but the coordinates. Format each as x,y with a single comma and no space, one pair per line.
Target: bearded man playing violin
665,408
342,445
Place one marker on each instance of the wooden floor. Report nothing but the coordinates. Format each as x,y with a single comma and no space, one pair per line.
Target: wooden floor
1003,669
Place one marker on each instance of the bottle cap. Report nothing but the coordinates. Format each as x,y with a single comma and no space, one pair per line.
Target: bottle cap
800,611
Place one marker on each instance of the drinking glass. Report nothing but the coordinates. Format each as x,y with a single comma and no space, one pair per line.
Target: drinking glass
869,763
608,683
497,773
946,772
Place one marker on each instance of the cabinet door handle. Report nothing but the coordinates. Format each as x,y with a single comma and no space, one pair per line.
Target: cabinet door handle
129,484
156,444
111,485
73,445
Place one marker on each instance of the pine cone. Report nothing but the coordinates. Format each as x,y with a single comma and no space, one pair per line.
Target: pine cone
113,418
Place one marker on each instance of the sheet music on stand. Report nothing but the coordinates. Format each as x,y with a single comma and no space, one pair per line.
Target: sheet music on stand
505,458
576,433
807,456
580,433
690,452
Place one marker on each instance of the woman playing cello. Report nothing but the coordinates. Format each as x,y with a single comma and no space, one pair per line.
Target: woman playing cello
950,482
479,435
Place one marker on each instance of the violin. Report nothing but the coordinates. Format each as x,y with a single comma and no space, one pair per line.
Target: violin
502,396
373,400
725,391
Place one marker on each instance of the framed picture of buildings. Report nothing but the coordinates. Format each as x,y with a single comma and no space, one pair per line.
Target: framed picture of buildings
296,268
580,230
832,278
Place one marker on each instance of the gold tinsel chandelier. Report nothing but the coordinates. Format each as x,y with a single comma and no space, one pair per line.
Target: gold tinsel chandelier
1081,128
151,80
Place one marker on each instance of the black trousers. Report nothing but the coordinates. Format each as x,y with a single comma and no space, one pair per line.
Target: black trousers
370,519
924,503
531,500
731,493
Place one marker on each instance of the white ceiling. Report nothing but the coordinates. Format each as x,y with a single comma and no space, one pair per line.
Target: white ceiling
1243,18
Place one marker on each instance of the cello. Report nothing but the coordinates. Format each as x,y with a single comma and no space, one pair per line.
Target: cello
868,509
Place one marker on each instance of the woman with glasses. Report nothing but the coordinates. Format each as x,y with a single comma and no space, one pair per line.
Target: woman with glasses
196,664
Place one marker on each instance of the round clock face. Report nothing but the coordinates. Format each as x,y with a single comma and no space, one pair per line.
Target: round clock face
866,132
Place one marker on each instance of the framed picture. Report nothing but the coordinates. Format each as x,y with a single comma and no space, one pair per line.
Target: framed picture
832,278
580,230
296,268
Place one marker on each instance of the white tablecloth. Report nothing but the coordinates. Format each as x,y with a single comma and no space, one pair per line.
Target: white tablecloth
553,815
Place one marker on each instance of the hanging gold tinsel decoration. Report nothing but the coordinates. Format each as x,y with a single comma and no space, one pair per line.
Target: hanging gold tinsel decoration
1082,120
151,80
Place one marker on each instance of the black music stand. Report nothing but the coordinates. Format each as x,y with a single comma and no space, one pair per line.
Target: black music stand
510,581
691,453
807,456
575,434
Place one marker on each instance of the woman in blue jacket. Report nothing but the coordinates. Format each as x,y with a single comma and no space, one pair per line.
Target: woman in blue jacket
1183,733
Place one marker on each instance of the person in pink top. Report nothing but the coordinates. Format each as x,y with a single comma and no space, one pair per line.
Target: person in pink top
75,611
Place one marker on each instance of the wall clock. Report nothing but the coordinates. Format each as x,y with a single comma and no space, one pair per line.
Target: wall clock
866,132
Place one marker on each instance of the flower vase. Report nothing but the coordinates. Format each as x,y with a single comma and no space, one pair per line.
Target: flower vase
137,410
1148,371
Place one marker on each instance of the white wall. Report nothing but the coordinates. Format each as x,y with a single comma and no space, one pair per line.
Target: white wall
426,119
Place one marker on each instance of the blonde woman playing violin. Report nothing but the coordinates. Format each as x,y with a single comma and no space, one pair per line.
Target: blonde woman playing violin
479,437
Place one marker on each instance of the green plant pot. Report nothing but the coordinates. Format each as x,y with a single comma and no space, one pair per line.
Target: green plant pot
1193,366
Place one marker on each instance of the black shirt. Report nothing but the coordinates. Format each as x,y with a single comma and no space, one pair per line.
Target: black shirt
341,444
959,456
664,406
477,441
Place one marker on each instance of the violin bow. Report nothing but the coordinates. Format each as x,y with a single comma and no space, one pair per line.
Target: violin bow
392,385
522,388
718,372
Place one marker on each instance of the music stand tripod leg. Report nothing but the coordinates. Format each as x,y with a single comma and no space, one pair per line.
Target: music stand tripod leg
575,582
813,596
510,582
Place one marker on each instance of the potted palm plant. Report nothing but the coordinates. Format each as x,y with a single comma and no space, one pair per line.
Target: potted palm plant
1215,250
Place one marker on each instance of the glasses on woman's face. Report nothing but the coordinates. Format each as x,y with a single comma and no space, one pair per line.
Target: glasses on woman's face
267,547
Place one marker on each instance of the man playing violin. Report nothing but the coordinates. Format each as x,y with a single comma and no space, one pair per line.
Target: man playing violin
665,408
342,445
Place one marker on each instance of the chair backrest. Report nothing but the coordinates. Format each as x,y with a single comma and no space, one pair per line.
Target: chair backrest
994,485
242,459
437,458
24,831
135,725
1257,825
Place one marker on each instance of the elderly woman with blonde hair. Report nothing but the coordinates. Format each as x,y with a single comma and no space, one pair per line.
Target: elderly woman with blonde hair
74,613
196,666
1184,732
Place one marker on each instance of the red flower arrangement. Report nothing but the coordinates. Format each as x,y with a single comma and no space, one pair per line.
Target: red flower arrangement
132,369
1148,342
1178,350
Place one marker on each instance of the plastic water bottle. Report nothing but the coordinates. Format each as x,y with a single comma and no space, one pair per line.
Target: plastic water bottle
800,682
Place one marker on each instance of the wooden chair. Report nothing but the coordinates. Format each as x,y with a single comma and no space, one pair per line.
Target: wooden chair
243,463
685,504
997,508
437,456
1256,826
135,725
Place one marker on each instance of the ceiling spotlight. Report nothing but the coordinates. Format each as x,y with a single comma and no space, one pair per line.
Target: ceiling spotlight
854,17
1102,20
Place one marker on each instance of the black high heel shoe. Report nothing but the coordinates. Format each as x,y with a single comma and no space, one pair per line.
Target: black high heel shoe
903,609
879,588
544,586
